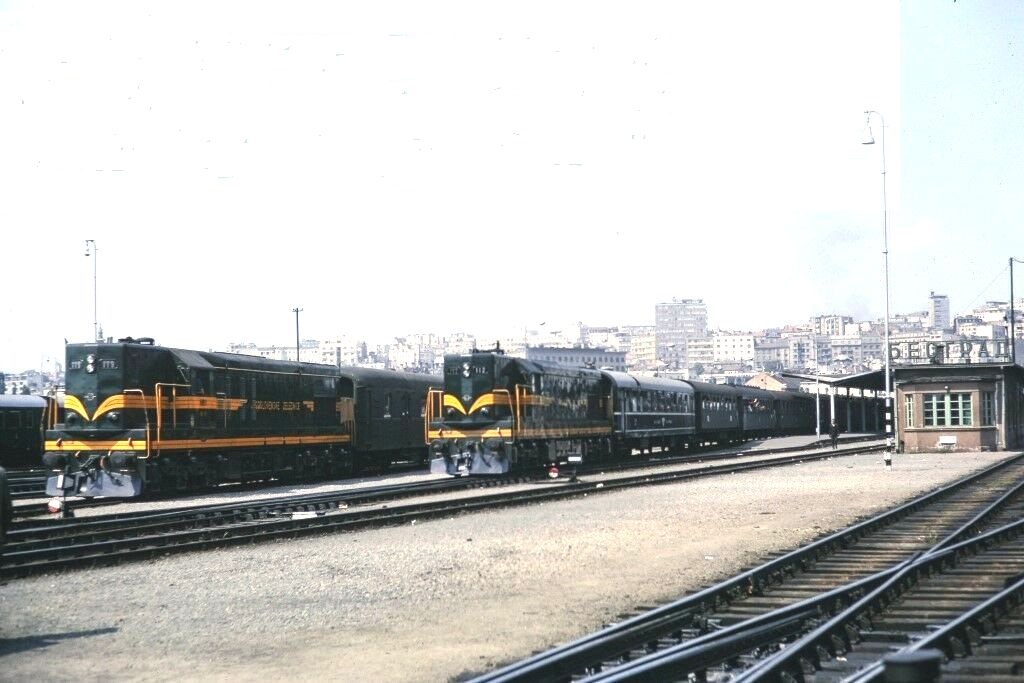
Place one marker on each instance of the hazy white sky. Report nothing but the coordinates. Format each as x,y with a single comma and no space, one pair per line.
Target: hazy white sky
411,167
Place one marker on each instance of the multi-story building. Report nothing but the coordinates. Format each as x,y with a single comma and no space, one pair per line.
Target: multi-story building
308,351
938,311
700,351
641,354
578,356
830,324
342,352
732,346
675,324
771,353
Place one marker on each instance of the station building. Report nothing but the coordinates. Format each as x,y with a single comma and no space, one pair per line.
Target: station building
964,395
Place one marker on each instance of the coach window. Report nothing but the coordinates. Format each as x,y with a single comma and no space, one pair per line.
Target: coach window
387,405
405,405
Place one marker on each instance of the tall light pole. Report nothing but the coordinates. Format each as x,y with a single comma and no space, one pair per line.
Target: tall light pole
890,412
95,252
1013,322
817,390
297,311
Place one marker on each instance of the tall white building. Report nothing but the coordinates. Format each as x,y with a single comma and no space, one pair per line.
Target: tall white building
938,312
737,346
675,323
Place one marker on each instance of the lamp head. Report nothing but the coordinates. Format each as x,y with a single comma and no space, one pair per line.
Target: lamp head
869,138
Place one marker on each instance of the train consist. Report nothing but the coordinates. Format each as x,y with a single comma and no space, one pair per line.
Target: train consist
141,418
497,413
23,424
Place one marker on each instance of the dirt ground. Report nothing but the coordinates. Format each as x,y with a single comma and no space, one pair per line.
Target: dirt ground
440,600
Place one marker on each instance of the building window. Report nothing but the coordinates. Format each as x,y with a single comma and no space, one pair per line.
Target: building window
948,410
908,409
988,408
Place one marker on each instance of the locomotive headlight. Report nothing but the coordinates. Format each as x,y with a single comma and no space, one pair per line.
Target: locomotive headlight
450,413
465,369
113,416
90,363
485,412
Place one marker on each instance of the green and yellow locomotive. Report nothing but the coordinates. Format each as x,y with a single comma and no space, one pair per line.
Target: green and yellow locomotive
141,417
498,412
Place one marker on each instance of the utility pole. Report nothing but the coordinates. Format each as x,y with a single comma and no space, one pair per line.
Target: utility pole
297,311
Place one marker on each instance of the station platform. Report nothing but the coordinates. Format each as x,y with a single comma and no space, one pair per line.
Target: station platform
809,440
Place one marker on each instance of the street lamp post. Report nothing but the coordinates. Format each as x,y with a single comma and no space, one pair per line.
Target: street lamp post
95,252
890,412
1013,322
817,390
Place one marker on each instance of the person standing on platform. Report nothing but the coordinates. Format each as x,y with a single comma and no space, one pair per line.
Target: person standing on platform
833,434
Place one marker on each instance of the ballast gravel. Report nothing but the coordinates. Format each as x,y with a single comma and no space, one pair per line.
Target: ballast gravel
437,600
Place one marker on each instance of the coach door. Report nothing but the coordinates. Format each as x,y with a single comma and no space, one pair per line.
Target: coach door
365,432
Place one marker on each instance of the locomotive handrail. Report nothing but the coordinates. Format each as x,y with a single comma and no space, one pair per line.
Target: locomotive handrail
434,401
160,408
145,414
508,395
517,418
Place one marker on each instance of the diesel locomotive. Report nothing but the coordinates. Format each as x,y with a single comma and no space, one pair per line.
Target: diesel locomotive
142,418
497,413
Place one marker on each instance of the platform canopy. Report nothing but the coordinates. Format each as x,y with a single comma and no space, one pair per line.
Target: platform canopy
872,381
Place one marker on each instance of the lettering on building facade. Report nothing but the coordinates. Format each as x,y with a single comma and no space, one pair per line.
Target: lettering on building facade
959,351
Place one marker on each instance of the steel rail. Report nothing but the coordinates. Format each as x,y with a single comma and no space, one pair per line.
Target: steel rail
565,661
29,558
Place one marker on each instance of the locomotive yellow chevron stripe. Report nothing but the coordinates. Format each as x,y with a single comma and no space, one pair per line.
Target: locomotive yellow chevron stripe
491,399
71,403
452,401
74,445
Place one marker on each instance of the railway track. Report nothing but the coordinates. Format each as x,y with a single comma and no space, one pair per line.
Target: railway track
798,617
26,483
32,483
44,545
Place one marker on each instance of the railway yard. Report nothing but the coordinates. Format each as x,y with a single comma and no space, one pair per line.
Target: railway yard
378,579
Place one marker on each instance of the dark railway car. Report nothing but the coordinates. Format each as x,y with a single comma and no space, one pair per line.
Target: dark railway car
496,412
651,412
23,424
760,412
718,412
795,412
389,409
141,417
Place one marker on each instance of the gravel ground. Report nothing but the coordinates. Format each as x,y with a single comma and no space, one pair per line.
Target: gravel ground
440,599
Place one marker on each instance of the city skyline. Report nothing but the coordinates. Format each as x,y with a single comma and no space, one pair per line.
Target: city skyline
396,168
538,331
